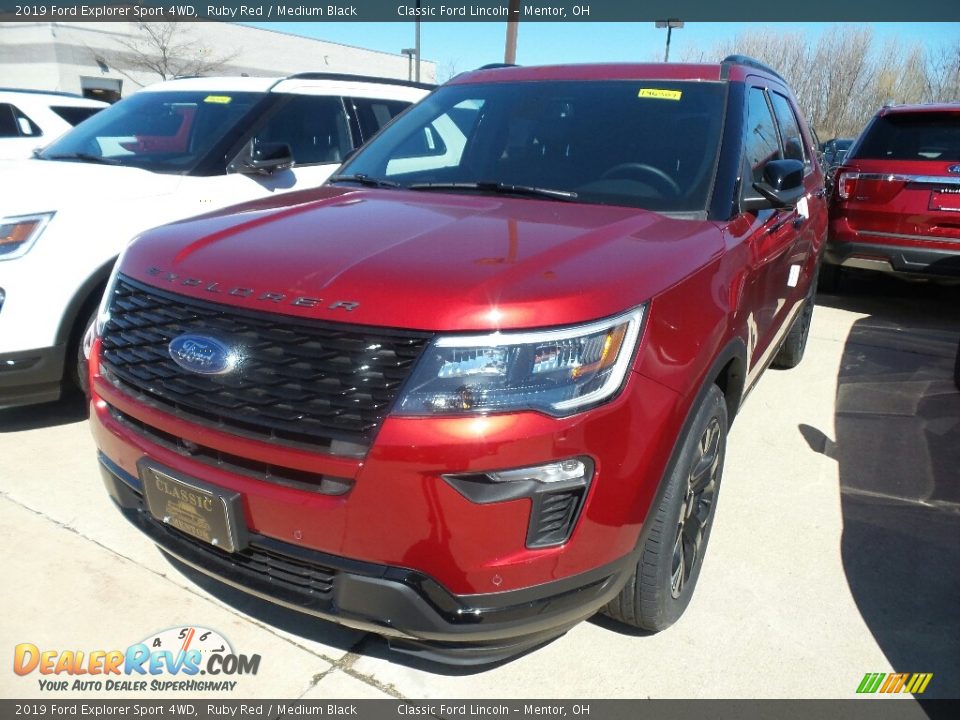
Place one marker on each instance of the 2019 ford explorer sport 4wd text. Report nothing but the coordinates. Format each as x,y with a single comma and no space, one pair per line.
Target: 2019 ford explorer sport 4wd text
167,152
896,203
478,387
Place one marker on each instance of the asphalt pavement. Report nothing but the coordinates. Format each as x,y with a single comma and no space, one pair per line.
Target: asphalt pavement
835,551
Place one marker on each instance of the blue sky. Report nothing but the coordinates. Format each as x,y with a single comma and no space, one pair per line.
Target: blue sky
468,45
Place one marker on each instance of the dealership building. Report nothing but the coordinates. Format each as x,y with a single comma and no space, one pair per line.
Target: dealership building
95,59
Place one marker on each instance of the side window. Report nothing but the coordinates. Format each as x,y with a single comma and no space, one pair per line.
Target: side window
789,130
74,115
374,114
760,142
13,123
8,123
315,127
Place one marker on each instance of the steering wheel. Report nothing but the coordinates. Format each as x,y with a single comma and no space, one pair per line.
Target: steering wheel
645,173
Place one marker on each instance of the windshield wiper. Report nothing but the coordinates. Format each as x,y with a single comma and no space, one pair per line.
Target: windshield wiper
363,179
498,187
85,157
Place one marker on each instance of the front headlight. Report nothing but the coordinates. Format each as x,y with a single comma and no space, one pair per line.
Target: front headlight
558,372
103,311
18,234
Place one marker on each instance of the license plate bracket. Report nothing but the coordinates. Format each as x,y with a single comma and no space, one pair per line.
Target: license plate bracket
948,200
206,512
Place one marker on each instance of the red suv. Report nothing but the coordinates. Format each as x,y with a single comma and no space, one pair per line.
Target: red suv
477,388
896,202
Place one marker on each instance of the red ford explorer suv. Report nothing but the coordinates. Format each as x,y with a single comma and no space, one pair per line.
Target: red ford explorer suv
896,203
478,387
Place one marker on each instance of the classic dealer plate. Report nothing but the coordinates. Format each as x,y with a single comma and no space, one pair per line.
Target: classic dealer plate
945,200
206,512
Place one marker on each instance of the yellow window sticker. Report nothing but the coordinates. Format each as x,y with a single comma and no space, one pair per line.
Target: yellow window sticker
660,94
218,99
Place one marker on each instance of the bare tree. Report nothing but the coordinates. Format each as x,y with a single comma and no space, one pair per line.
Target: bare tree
167,50
447,70
944,74
843,77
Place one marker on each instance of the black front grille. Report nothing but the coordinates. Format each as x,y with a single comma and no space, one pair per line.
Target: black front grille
268,472
553,517
298,381
283,569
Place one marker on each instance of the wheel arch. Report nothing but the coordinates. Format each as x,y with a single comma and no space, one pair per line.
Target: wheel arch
82,303
729,373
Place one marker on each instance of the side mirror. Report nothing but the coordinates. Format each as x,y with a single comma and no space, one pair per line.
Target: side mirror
781,187
264,158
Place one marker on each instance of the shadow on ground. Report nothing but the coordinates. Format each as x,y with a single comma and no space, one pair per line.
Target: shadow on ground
71,408
897,444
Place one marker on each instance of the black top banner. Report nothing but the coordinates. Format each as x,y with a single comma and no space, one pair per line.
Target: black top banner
482,11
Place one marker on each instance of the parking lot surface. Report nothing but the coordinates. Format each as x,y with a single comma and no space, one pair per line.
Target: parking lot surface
835,551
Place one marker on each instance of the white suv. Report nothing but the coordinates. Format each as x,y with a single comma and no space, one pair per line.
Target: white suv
171,151
30,119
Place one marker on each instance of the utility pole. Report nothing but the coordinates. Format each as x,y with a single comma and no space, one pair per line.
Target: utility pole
510,51
669,25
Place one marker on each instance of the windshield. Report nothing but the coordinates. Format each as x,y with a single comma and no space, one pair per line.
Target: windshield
912,136
638,143
159,131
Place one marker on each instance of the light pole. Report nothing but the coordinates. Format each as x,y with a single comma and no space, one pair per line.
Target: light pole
669,25
417,41
409,52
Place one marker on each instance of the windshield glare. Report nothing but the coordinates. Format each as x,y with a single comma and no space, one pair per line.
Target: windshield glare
159,131
638,143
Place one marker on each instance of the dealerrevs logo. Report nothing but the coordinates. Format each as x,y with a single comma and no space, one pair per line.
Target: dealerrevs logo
170,660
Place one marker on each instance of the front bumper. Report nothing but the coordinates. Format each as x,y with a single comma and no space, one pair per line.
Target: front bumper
414,612
28,377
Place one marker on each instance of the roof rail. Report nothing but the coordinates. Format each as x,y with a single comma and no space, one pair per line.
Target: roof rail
750,62
358,78
42,92
494,66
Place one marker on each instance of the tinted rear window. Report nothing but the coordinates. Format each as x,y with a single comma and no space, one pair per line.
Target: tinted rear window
74,115
912,136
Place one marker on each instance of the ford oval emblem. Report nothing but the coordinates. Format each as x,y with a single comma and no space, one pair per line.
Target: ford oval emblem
202,354
954,169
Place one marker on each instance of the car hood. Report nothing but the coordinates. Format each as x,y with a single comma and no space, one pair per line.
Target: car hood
42,185
419,260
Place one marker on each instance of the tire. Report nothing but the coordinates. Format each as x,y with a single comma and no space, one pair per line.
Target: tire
830,278
671,557
791,352
956,369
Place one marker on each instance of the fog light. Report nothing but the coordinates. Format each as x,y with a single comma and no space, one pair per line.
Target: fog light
557,491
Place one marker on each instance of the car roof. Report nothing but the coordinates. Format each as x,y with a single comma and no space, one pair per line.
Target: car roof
50,97
337,83
919,108
734,67
593,71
